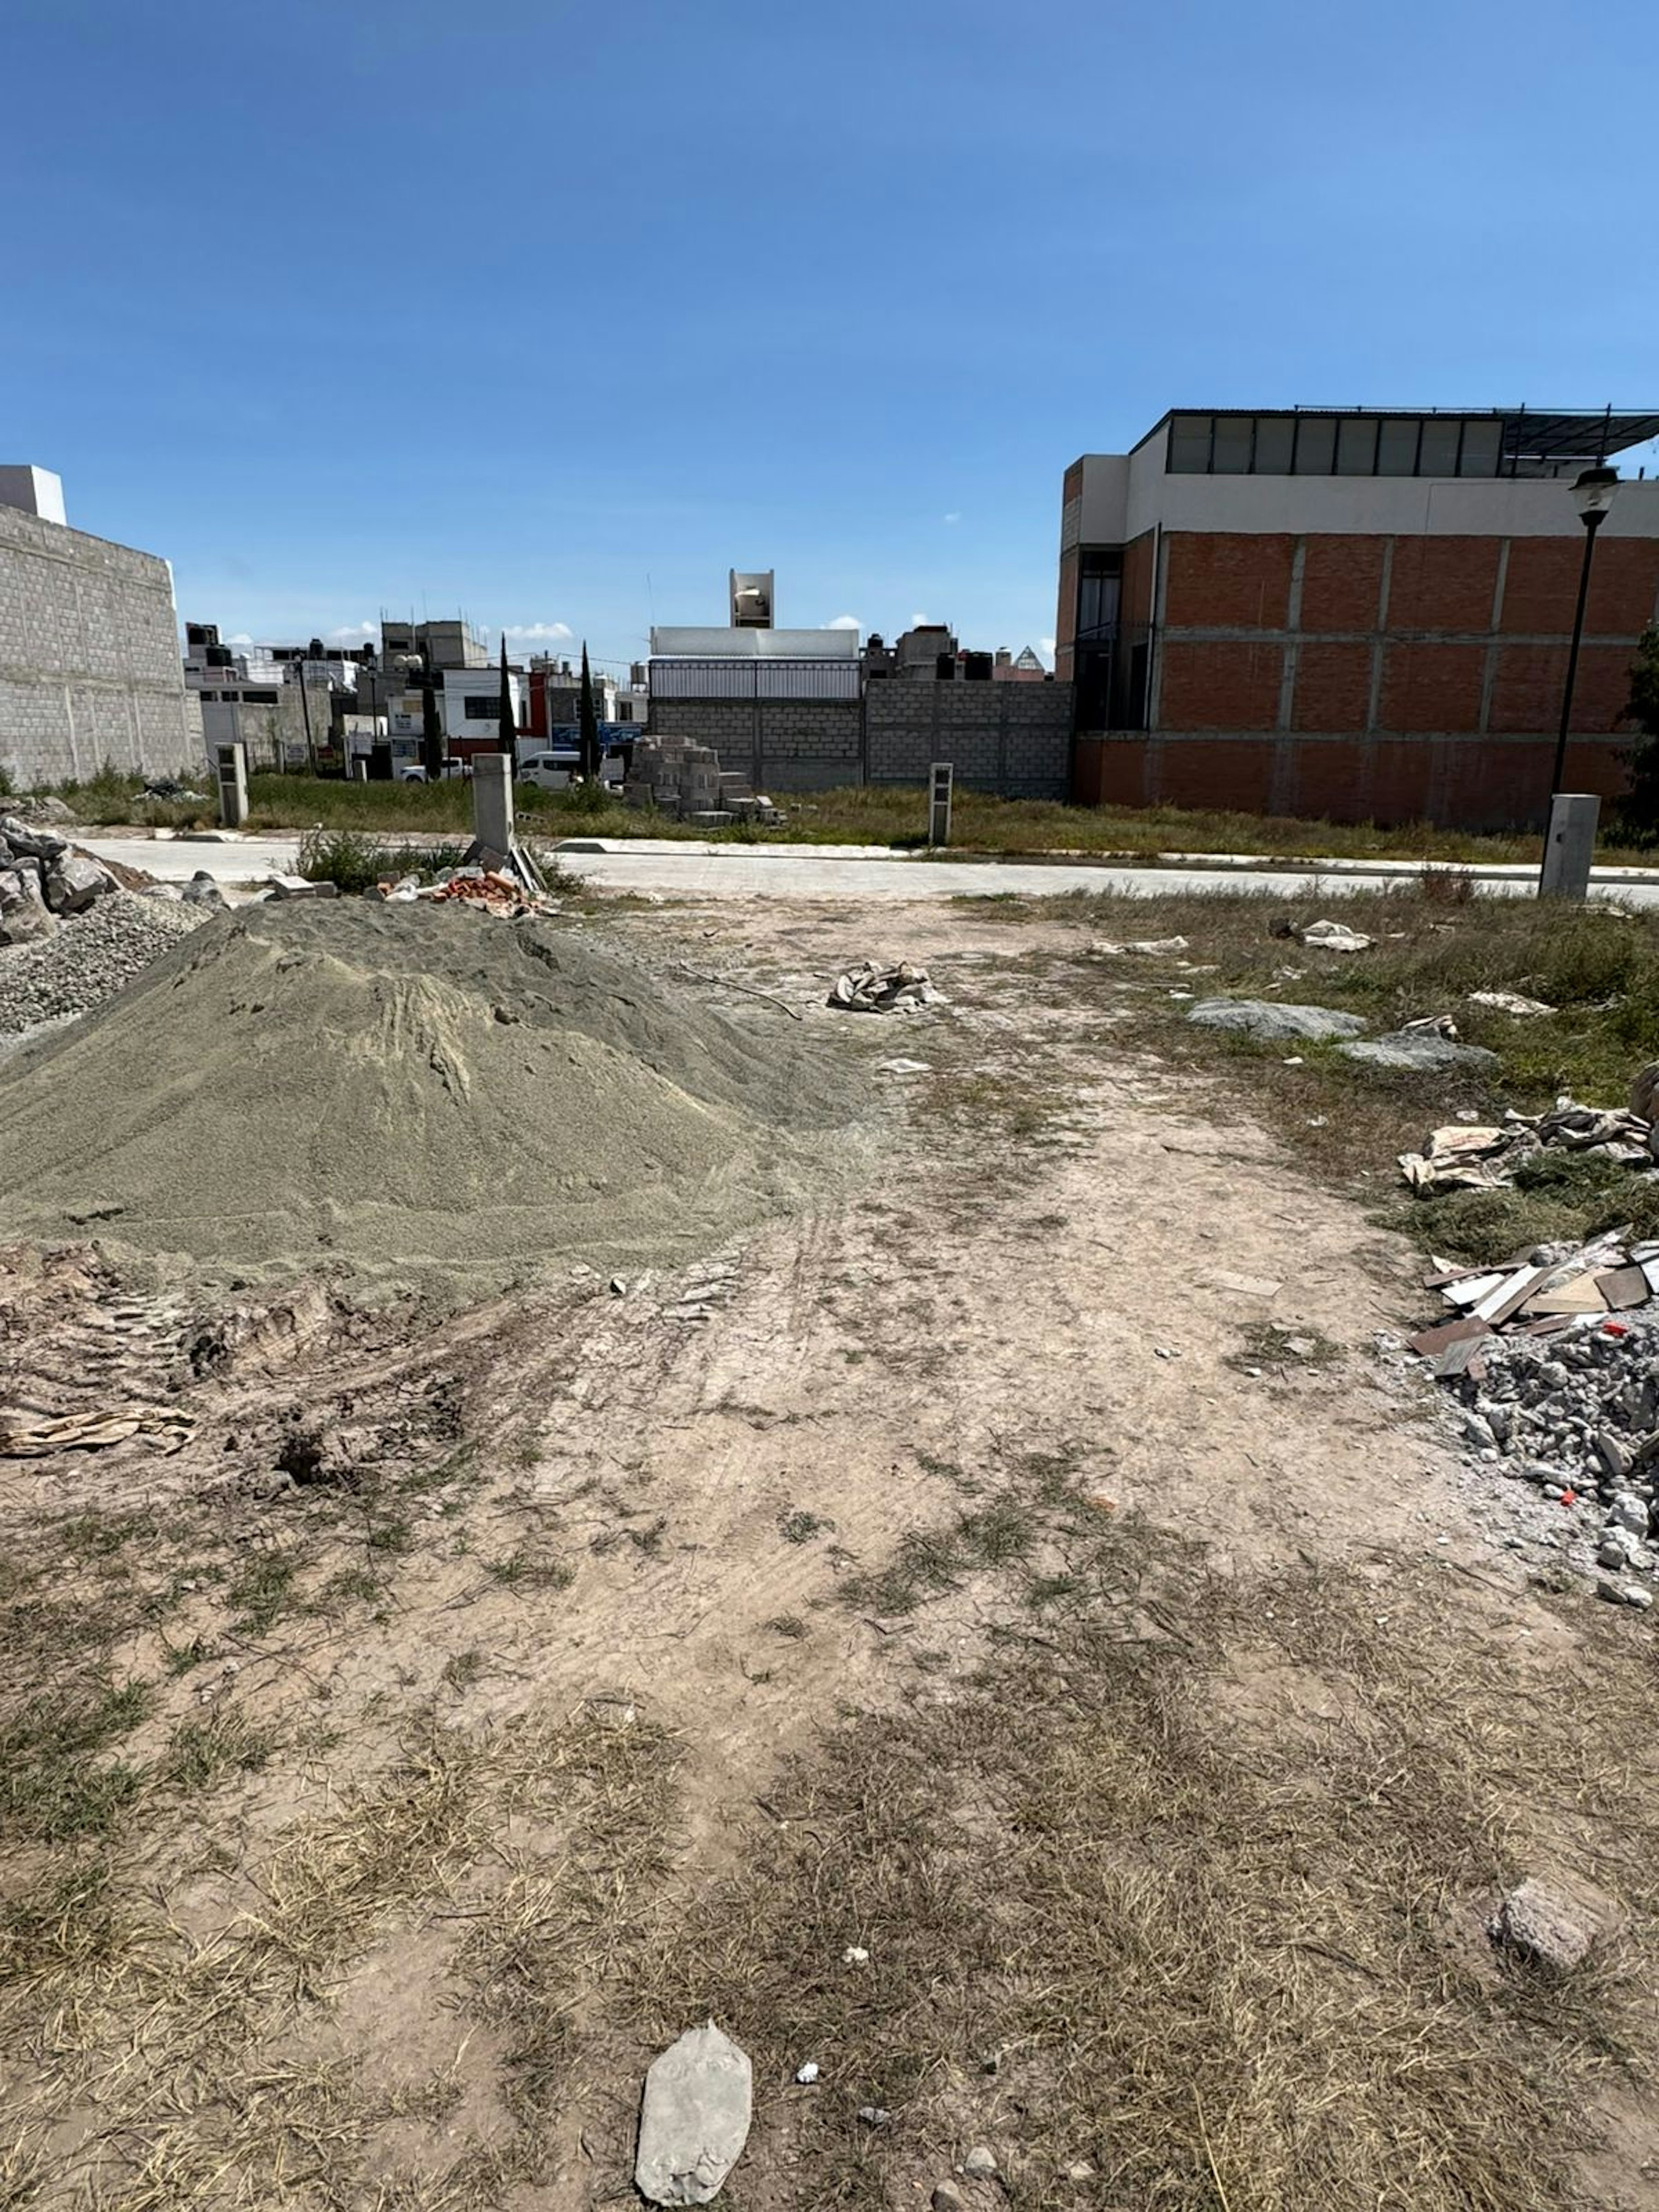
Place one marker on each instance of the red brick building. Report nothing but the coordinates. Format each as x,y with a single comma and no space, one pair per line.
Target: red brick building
1362,616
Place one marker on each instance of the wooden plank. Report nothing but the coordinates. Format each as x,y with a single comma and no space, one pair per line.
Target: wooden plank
1510,1295
1624,1287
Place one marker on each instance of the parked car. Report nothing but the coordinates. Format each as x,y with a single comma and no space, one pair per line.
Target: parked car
558,766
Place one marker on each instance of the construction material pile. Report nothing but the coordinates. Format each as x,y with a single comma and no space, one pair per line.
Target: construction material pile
89,960
43,881
868,987
490,889
413,1089
1483,1156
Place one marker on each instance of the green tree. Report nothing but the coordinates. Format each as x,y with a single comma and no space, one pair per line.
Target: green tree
1639,810
432,732
506,722
589,737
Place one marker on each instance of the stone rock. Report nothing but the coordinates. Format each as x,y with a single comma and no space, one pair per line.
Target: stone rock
202,890
1628,1511
37,844
290,887
693,2119
1552,1926
874,2115
947,2197
1261,1018
72,884
1630,1593
46,808
1611,1453
1419,1048
24,914
980,2163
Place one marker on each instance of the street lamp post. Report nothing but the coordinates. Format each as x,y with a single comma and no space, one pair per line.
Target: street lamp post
1592,496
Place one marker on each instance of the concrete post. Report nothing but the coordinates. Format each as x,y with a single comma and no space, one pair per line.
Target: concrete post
1570,845
940,779
231,763
492,803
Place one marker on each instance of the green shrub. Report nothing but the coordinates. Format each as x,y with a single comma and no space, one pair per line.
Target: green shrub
357,862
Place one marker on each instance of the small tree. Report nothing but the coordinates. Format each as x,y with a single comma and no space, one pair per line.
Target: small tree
506,722
1639,810
432,732
589,724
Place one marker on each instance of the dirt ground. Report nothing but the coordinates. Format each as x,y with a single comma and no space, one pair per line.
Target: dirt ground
1027,1574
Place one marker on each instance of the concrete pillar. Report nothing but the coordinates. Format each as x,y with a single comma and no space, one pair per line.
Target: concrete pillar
492,803
1570,845
231,763
940,778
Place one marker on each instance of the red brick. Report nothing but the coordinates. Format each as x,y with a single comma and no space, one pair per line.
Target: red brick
1232,773
1332,687
1526,693
1111,771
1219,685
1541,591
1443,583
1135,595
1223,579
1432,687
1328,779
1341,582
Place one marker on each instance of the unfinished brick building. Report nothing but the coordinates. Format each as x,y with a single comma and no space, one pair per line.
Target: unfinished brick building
1362,616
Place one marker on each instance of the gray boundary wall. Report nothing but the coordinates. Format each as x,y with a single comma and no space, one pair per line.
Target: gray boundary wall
1010,738
90,669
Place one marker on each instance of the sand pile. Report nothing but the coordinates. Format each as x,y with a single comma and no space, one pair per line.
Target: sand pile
412,1087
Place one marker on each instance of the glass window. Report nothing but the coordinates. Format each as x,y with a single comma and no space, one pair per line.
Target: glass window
1481,443
1396,449
1315,444
1189,445
476,708
1356,447
1233,439
1438,455
1275,438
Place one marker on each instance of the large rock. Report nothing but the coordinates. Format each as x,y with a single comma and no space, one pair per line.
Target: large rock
694,2119
1419,1049
1262,1018
73,882
24,914
38,844
203,890
1552,1925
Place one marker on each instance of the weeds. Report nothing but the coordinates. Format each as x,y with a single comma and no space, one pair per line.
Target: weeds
800,1527
204,1752
53,1784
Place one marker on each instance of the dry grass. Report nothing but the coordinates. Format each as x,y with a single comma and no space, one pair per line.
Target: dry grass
1228,1958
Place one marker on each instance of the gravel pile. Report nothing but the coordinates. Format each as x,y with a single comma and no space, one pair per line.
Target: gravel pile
90,958
1578,1416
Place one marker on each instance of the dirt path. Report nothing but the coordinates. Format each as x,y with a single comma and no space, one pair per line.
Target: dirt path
624,1603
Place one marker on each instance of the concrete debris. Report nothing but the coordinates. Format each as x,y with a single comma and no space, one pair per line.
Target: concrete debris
1552,1926
43,880
947,2197
1425,1048
73,882
24,914
492,890
1261,1018
1332,937
1508,1002
693,2119
202,890
1483,1158
1153,947
42,808
980,2163
78,966
26,842
875,2115
300,887
868,988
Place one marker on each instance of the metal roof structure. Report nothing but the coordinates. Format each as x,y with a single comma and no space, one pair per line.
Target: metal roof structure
1529,434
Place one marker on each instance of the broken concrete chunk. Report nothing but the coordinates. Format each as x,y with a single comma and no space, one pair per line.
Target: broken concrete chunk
1551,1925
1419,1048
33,843
300,887
24,914
72,884
1260,1018
202,890
694,2120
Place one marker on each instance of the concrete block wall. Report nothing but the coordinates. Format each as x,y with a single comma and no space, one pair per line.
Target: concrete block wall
1010,738
89,661
780,744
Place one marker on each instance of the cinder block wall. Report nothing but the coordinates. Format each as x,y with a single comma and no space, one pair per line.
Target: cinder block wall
1012,738
90,661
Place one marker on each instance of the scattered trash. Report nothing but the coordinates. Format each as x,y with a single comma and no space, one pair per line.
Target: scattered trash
1482,1157
1105,948
492,889
856,1956
904,1067
693,2119
1332,937
869,988
807,2072
1509,1002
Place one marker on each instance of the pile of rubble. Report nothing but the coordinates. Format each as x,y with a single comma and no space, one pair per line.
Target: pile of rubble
43,881
1555,1360
1483,1156
868,988
492,890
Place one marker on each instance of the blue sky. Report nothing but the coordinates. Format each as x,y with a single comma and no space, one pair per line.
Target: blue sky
555,313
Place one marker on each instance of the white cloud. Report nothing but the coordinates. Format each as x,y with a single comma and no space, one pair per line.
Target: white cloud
919,622
241,637
556,631
349,630
845,622
1045,648
955,516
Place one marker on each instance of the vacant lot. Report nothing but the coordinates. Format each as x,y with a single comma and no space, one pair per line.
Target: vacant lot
474,1699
